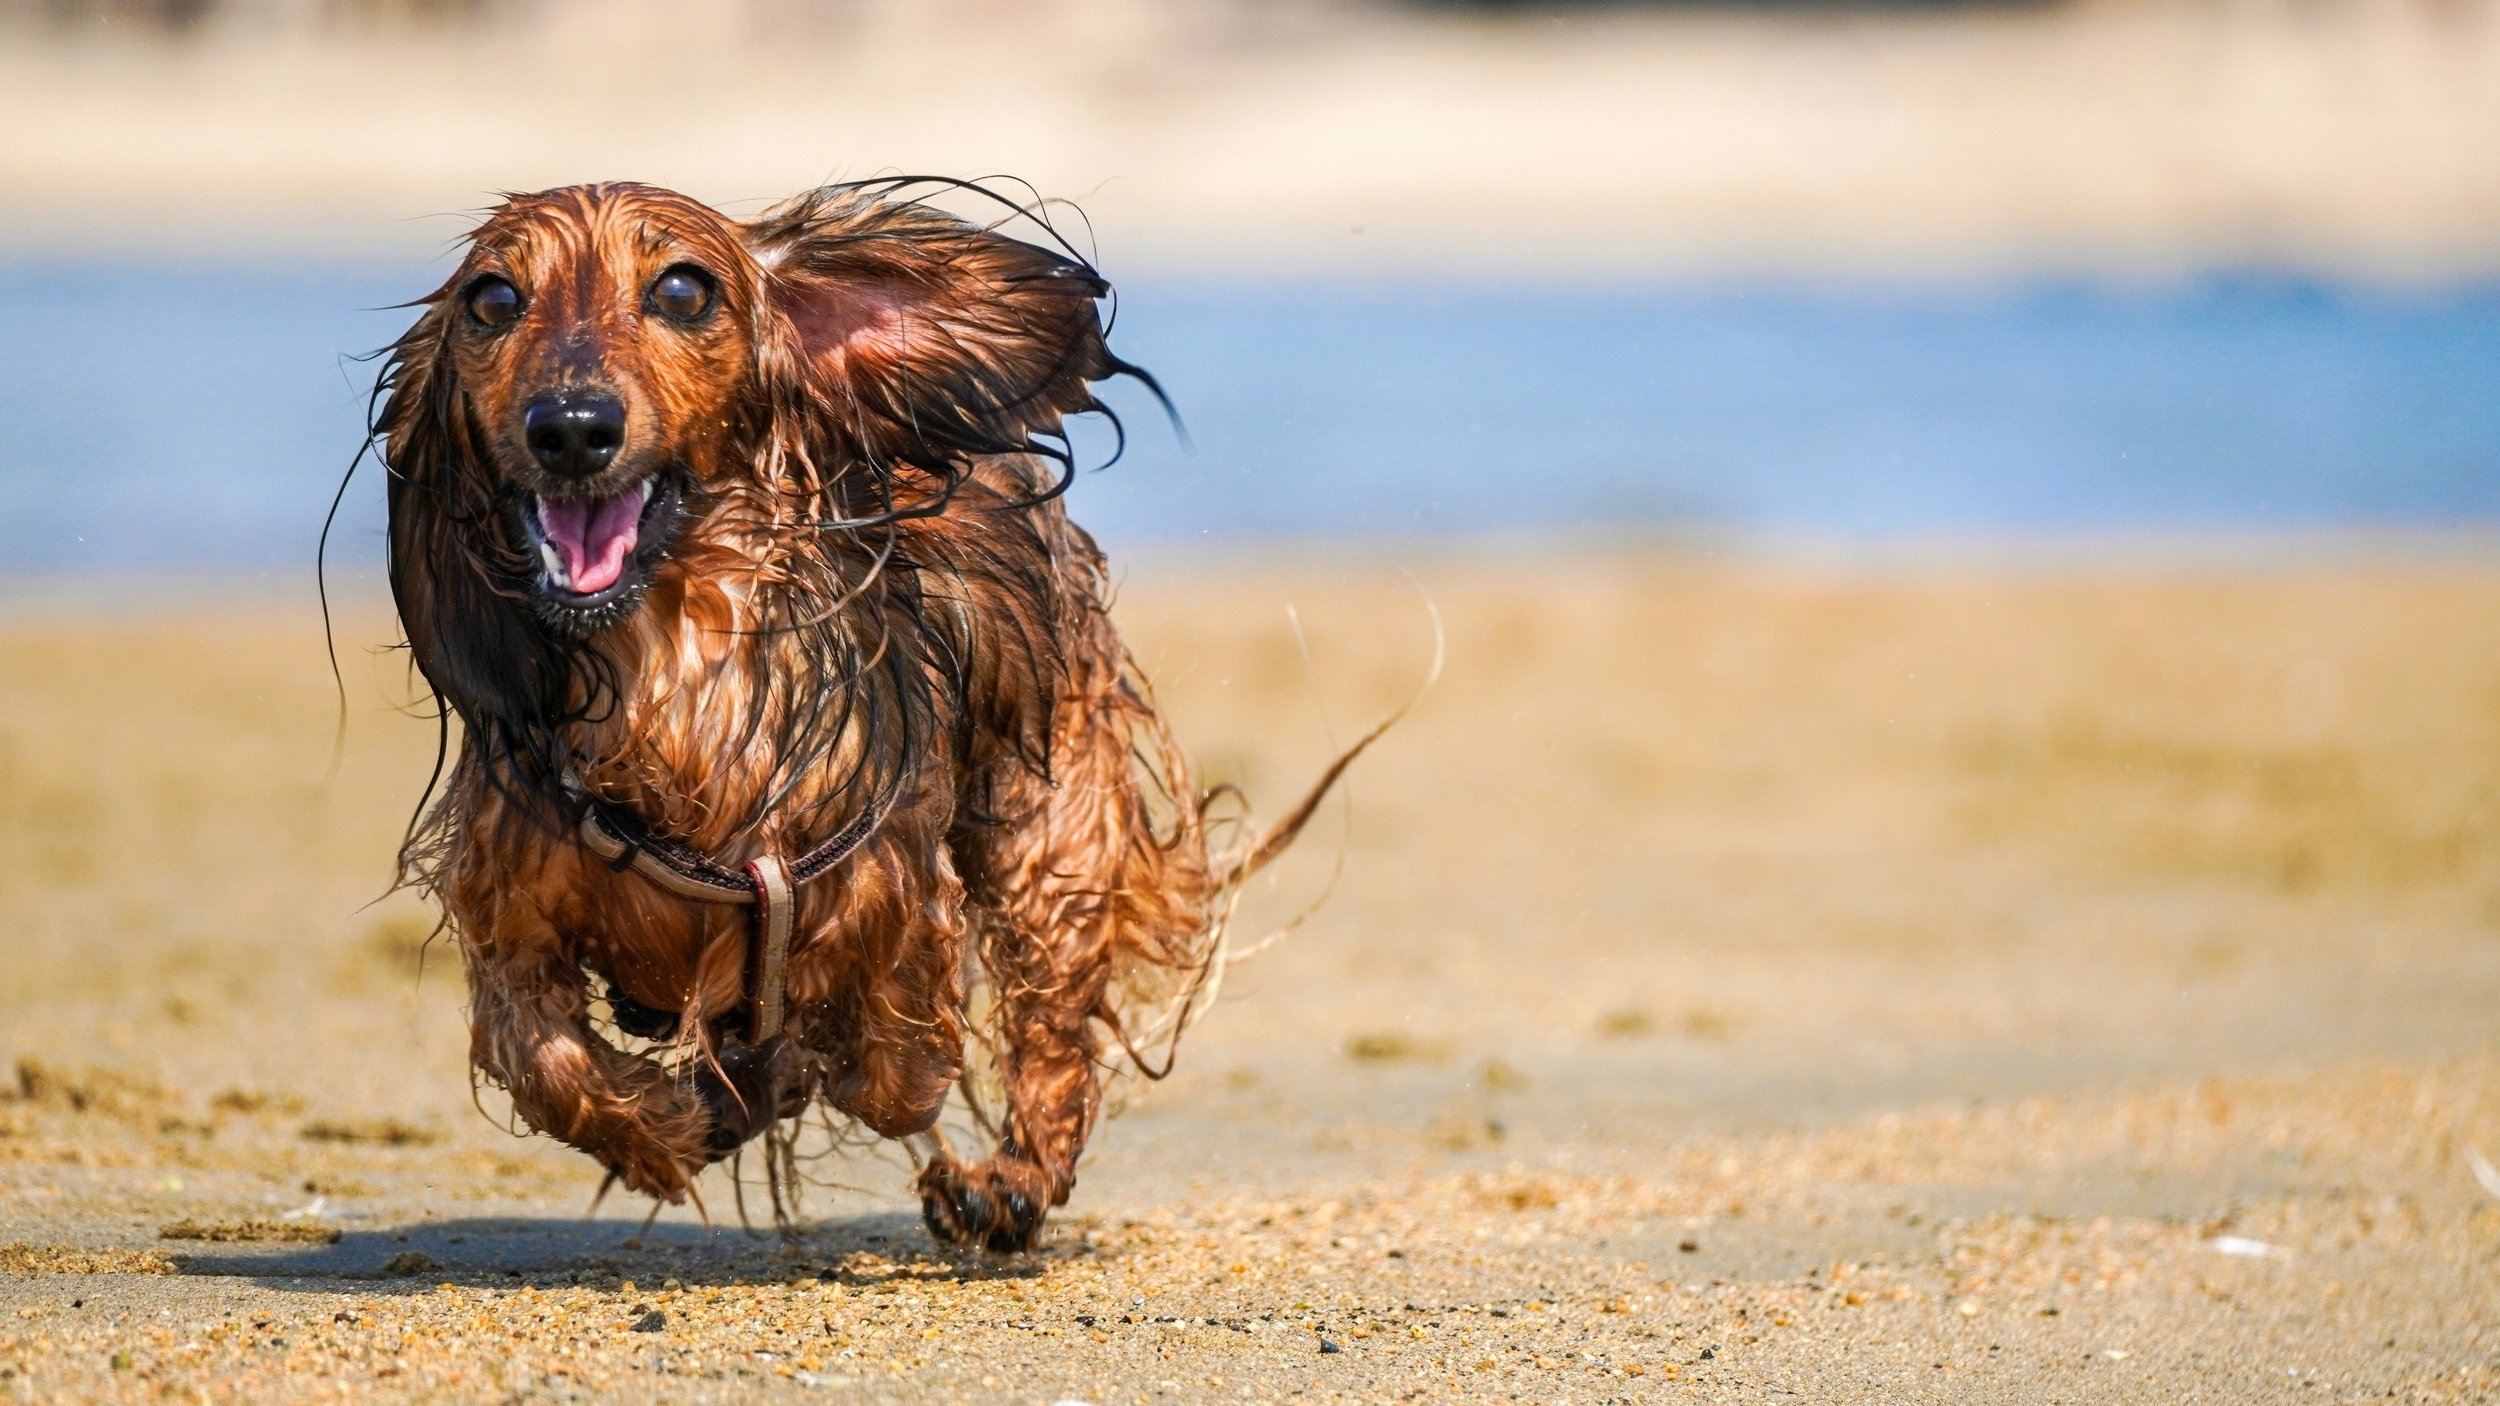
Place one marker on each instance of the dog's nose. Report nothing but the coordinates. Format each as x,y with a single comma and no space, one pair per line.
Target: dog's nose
574,433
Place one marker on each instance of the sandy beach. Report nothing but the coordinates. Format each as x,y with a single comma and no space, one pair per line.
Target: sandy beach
1740,979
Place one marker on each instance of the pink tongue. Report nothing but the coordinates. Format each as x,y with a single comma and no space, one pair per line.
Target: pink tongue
593,537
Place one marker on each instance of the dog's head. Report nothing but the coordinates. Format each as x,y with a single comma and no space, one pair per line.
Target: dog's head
579,369
616,374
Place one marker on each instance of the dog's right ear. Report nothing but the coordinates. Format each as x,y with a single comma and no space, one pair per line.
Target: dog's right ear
418,431
451,567
926,338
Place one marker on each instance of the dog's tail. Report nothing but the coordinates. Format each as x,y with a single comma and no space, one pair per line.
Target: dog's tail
1186,934
1261,849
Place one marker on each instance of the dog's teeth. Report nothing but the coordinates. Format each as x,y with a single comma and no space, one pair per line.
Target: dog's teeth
645,493
554,564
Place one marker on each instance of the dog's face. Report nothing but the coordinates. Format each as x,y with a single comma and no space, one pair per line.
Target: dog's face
620,385
600,338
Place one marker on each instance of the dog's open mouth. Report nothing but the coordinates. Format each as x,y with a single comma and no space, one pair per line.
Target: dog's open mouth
595,554
584,543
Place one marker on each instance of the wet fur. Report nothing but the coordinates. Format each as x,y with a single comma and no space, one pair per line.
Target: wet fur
867,599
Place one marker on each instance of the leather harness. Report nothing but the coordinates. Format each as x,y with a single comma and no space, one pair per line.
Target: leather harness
766,884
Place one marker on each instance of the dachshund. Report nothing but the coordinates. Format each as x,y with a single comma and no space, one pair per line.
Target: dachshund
798,765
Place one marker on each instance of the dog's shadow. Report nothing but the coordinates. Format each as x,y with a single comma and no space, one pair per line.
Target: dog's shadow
545,1252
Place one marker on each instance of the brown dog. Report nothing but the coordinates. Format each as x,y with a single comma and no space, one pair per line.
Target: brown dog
792,723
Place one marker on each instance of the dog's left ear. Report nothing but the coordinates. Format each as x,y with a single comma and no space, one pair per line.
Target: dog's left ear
926,338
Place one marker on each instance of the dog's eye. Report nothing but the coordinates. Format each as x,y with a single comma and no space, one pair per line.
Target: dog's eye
684,293
494,302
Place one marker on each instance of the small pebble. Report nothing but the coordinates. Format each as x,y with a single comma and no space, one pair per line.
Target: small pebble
1327,1346
651,1322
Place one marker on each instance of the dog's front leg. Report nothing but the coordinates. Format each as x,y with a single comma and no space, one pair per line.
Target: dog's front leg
904,1045
529,1033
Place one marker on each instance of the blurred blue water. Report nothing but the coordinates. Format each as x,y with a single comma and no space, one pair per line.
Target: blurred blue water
196,419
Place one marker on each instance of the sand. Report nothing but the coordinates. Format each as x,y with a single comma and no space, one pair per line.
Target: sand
1738,980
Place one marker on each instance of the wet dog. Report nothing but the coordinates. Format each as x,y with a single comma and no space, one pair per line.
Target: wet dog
798,764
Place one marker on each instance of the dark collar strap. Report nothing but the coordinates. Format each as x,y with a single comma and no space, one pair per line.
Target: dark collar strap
767,885
618,836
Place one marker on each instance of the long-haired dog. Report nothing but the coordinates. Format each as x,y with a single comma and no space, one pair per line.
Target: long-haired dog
794,731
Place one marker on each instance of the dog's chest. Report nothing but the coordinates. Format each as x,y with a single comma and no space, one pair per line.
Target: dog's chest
723,737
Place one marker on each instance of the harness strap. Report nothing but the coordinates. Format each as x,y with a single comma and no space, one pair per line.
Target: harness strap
768,885
776,910
614,848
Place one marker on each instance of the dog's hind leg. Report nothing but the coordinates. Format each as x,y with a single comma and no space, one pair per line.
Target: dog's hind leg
1094,887
1047,993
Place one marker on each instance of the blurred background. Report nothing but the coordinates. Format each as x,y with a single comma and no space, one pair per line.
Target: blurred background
1831,272
1970,747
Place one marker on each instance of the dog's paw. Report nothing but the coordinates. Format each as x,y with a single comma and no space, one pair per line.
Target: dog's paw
998,1205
